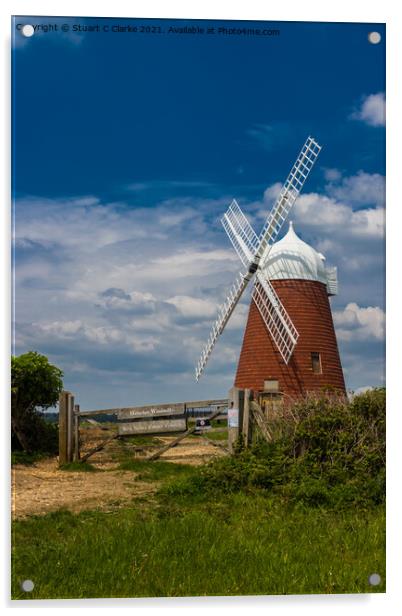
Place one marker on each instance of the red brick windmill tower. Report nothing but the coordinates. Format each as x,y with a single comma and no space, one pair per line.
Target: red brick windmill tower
303,283
289,338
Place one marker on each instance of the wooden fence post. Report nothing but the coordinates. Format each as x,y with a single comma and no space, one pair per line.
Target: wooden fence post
233,417
246,418
76,432
70,430
63,409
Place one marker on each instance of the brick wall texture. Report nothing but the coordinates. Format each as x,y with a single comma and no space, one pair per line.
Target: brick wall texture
307,304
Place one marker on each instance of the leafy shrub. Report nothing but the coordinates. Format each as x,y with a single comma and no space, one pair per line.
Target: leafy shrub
35,386
331,452
40,436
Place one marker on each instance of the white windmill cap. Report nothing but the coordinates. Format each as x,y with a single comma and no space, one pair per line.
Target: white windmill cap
291,258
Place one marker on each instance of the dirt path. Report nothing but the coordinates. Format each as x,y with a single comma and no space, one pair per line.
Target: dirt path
43,487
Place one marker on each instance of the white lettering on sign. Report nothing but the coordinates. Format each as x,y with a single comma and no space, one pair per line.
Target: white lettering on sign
151,411
160,426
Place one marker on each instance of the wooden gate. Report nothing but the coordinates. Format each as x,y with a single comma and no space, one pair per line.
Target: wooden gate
157,419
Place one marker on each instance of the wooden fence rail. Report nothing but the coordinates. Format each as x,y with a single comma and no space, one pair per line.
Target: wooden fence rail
243,415
127,410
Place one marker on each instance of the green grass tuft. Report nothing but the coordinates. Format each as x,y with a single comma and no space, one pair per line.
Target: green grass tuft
217,436
22,457
81,467
142,441
156,471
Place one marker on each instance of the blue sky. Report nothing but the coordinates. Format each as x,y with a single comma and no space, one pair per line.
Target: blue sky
127,150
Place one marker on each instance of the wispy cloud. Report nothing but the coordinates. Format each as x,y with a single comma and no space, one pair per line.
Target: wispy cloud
271,136
371,110
362,189
165,185
332,175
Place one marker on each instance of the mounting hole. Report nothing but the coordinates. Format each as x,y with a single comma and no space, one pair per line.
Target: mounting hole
28,30
374,38
374,579
27,585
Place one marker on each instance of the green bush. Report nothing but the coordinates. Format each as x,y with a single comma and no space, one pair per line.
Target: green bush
40,436
35,386
332,452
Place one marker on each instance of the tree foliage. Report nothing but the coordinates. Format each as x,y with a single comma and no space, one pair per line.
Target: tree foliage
35,386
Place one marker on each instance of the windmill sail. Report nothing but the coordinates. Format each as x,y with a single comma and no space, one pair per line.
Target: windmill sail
253,252
287,197
279,324
235,293
244,240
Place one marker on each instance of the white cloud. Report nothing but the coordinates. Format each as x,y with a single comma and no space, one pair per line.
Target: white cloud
100,335
271,194
106,285
350,207
188,259
170,219
117,299
372,110
193,307
61,329
317,211
83,223
358,323
360,189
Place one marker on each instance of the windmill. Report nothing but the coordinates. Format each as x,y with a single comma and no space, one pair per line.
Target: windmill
253,252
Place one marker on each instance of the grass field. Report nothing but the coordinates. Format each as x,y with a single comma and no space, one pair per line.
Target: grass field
244,543
300,515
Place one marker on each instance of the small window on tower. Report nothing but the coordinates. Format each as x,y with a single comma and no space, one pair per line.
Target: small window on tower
316,363
271,386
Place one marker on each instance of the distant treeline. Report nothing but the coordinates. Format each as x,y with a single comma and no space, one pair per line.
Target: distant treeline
198,412
54,418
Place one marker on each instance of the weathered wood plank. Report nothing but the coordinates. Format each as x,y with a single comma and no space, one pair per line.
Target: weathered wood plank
159,426
260,420
99,447
246,418
192,404
215,443
76,432
63,403
70,429
158,410
201,403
